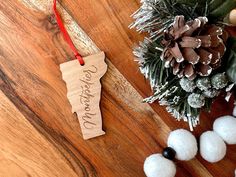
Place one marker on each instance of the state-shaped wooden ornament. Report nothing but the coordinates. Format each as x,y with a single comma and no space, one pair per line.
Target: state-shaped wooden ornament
84,92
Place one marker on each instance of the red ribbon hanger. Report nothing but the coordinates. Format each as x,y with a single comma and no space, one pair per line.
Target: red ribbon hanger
65,34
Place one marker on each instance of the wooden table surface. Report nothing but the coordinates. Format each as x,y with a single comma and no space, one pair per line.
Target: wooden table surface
39,136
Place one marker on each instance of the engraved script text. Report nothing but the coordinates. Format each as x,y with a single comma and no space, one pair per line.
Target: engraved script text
86,96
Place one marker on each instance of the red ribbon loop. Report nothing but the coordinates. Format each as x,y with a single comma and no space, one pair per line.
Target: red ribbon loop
65,34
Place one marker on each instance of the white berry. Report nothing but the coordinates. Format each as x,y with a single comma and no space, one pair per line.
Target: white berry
158,166
184,143
212,147
226,127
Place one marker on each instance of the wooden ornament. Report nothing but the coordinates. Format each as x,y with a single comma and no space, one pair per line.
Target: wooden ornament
84,92
232,17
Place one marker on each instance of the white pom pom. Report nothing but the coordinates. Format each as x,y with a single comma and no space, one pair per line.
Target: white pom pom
234,112
184,143
212,147
226,127
158,166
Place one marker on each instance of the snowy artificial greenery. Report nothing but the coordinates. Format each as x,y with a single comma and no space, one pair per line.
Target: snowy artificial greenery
219,81
154,16
187,85
196,100
184,98
203,83
211,93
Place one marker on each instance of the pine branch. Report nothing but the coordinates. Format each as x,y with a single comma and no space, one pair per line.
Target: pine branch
148,55
154,16
183,97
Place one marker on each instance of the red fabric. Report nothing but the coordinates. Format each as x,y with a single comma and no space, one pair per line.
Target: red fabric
65,33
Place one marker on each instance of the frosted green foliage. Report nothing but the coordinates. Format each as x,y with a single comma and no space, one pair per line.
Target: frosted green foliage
196,100
187,85
211,93
182,97
203,83
176,99
219,81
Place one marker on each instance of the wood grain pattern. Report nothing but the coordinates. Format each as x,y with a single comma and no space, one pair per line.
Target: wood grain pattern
20,151
31,49
84,92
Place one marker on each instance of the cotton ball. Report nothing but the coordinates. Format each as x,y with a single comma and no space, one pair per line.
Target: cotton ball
226,127
184,143
158,166
212,147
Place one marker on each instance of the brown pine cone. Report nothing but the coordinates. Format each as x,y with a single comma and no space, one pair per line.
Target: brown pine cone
193,47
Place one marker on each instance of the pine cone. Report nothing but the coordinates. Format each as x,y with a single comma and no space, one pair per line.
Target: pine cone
193,47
